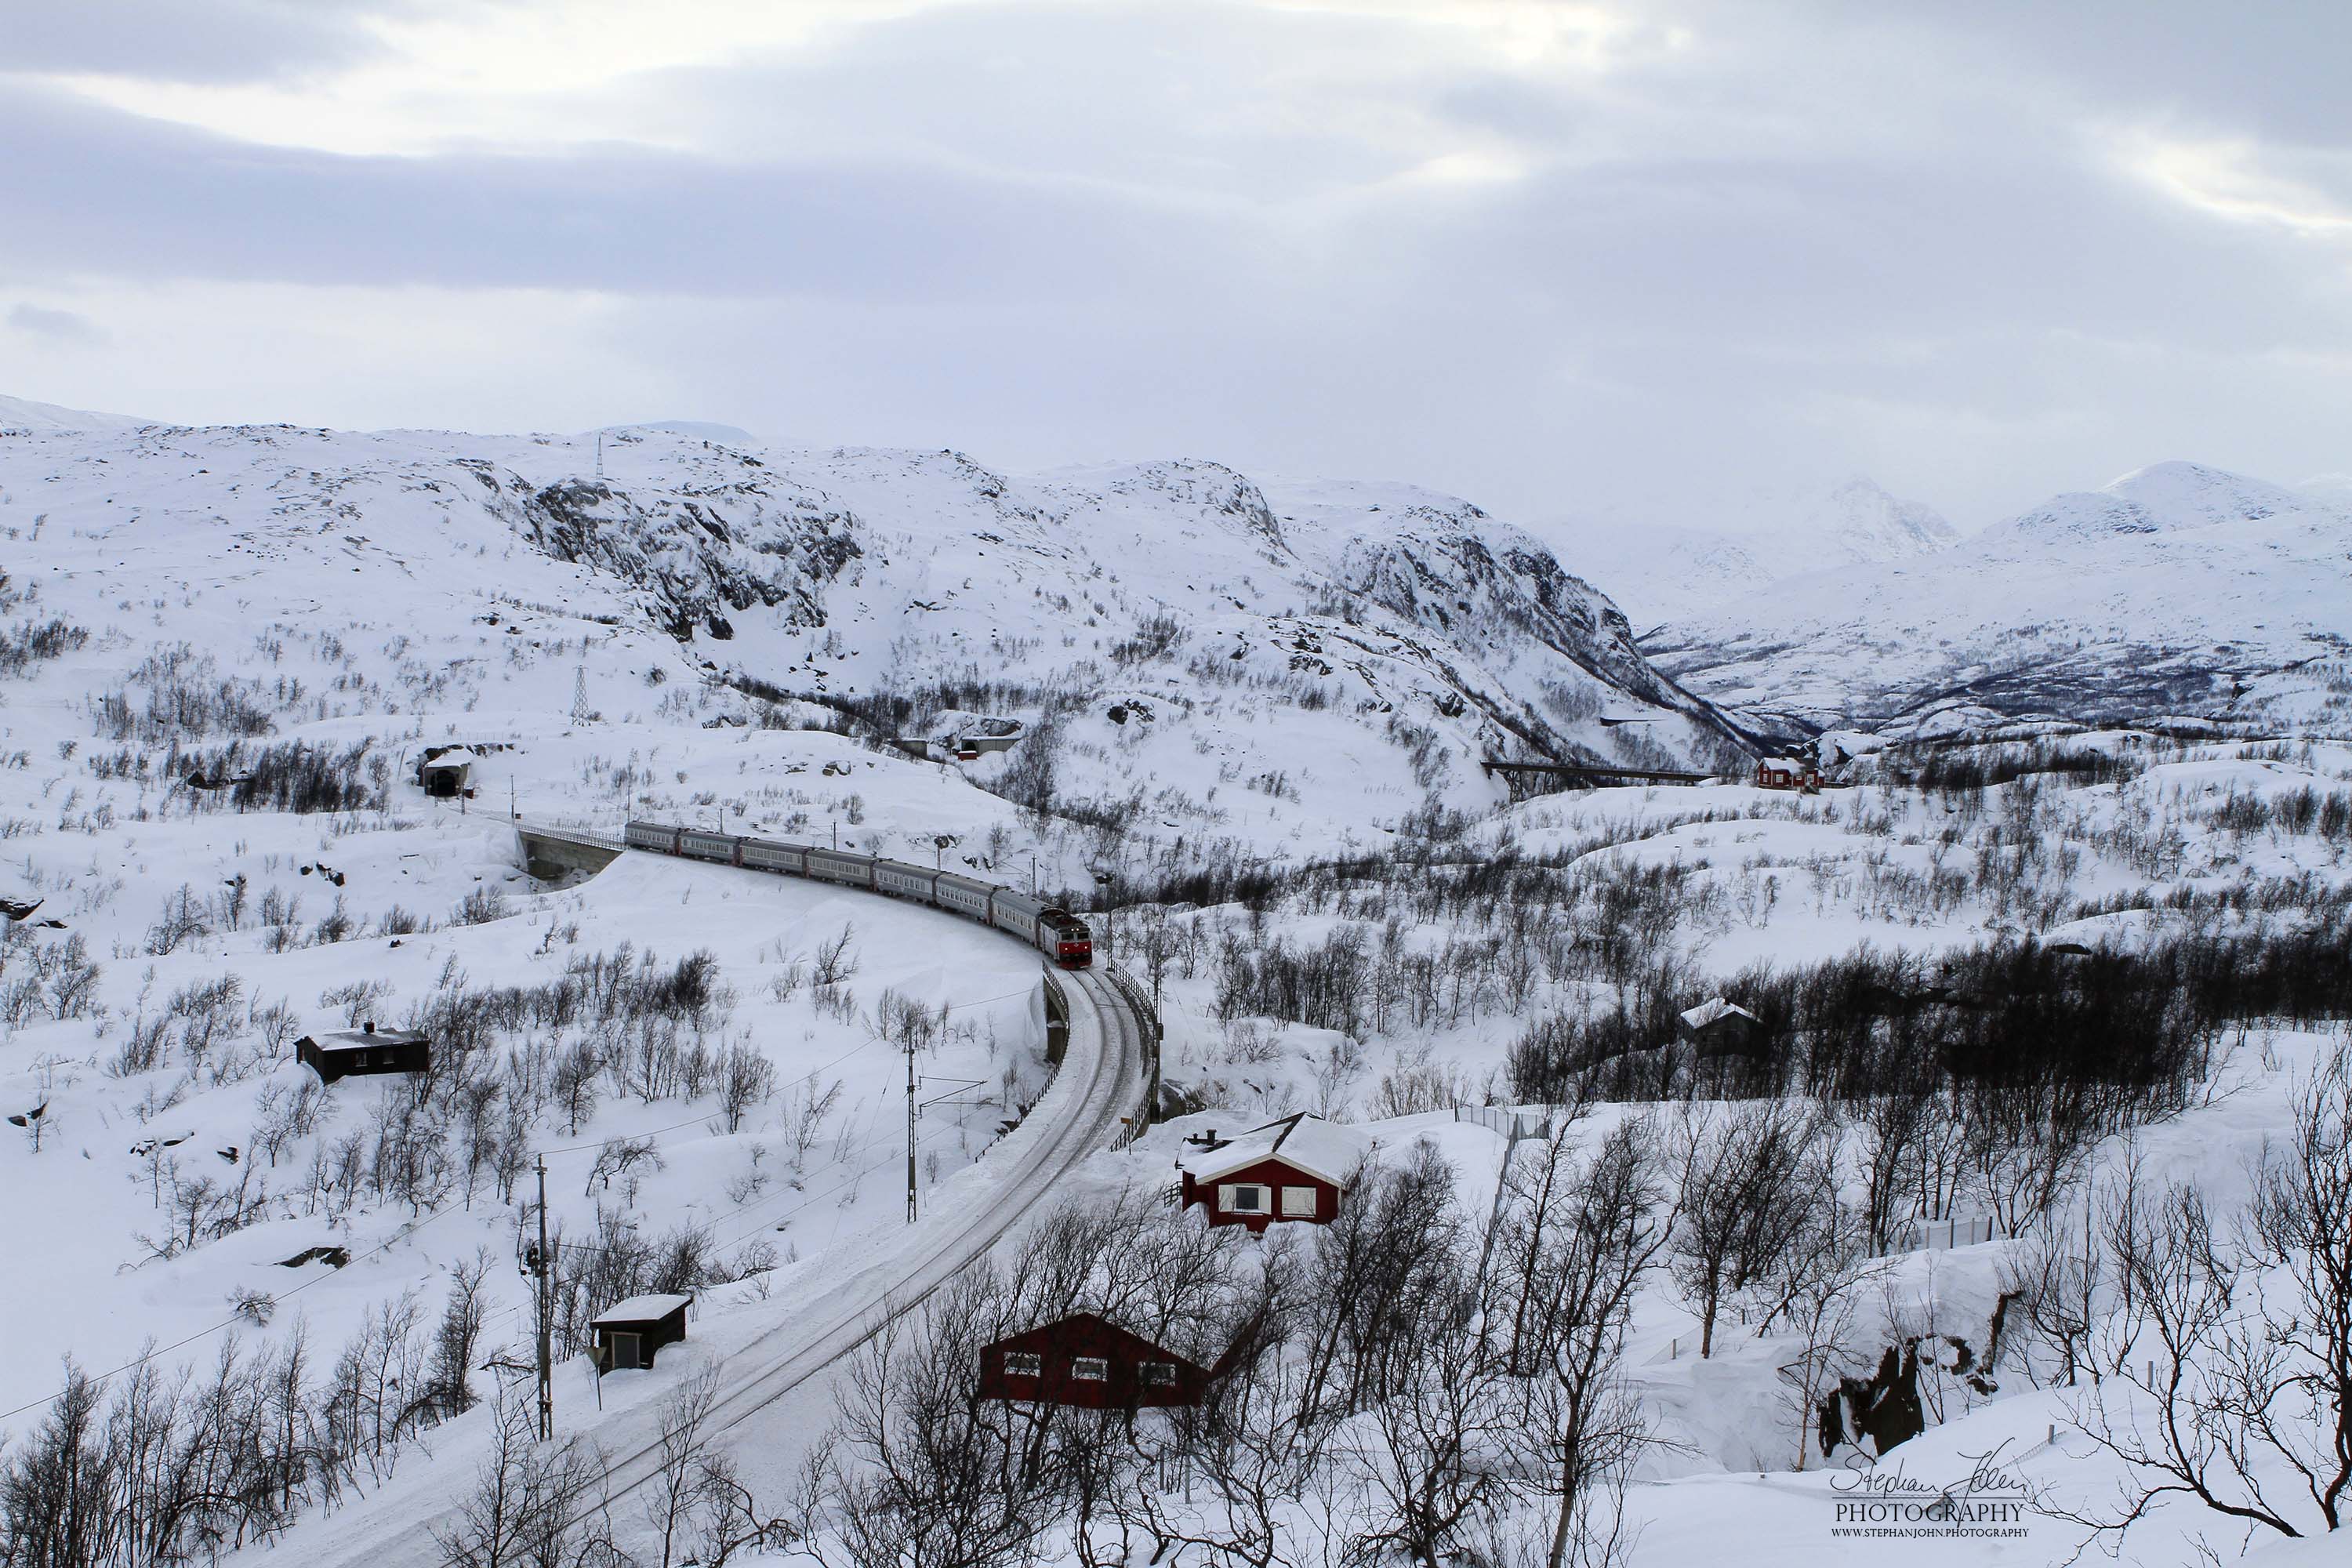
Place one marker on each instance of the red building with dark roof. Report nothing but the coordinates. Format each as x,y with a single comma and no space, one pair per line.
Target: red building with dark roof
1089,1361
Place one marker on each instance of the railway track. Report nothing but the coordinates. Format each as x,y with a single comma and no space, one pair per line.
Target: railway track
1103,1073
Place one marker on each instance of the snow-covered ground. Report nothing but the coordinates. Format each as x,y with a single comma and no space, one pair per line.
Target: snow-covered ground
222,652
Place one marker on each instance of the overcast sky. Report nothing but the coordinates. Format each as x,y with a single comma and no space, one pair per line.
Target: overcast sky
1631,260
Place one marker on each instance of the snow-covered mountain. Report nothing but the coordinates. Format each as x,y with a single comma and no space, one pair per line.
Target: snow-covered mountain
1664,572
2178,589
20,415
1284,668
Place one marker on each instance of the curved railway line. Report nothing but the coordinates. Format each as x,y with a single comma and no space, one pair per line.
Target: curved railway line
1095,1101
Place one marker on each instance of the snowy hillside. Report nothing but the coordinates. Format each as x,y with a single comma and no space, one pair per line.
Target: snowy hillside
1662,572
1210,663
2176,590
20,415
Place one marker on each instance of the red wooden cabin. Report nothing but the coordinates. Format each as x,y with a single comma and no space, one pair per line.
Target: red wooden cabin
1296,1169
1089,1361
1782,773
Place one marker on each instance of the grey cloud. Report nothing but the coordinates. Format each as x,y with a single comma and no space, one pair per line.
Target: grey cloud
2276,70
113,193
187,41
63,326
1824,237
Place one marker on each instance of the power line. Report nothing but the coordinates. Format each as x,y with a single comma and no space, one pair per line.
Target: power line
413,1226
866,1044
410,1228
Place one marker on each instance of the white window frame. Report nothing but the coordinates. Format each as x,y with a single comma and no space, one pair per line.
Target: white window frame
1229,1199
1300,1203
1090,1368
1023,1363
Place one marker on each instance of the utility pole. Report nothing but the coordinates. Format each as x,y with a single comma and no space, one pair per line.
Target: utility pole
910,1130
546,1348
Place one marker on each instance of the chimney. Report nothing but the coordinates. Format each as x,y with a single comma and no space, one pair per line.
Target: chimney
367,1028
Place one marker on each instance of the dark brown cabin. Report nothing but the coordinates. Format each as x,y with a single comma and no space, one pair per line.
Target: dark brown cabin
629,1333
1719,1028
363,1051
1088,1361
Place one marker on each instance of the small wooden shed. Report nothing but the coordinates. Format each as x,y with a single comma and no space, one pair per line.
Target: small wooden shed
1299,1168
364,1051
629,1333
1089,1361
1719,1028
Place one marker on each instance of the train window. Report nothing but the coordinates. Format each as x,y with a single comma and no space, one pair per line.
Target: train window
1093,1368
1021,1363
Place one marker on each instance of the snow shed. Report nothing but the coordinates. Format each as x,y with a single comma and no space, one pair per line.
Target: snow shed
629,1333
364,1051
446,772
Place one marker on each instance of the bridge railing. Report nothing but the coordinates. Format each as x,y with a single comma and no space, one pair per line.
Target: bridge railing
578,830
1147,1099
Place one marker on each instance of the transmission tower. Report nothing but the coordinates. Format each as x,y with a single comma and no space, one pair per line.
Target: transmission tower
581,712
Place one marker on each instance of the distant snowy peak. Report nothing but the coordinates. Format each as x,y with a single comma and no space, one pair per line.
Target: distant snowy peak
1858,522
2176,590
1664,572
21,415
2166,498
693,429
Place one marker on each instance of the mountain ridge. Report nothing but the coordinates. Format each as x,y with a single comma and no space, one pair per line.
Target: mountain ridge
2179,588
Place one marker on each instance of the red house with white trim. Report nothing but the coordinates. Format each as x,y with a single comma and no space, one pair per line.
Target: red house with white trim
1786,773
1296,1169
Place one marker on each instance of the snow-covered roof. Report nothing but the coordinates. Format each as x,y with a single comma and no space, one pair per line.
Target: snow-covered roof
1317,1147
455,757
1710,1011
1791,763
639,1310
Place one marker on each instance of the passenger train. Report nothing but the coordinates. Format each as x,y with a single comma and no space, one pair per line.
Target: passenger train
1057,934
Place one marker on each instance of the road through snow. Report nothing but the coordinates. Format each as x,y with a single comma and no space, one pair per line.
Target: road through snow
771,1350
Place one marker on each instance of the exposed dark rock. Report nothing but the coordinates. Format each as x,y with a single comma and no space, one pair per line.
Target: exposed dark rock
1885,1408
333,1256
